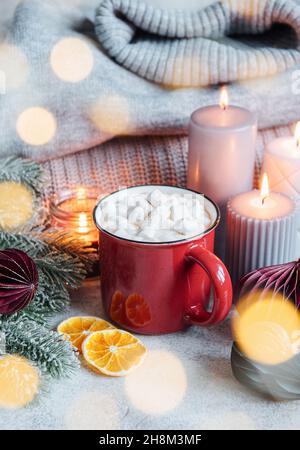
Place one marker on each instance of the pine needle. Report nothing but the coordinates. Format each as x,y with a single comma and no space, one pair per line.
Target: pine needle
46,348
62,262
23,171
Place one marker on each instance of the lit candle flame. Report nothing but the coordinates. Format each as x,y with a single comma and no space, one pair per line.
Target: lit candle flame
297,134
81,193
83,223
224,100
265,190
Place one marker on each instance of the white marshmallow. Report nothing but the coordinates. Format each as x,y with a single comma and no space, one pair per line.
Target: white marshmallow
104,218
108,210
148,233
125,234
169,236
153,220
154,216
137,216
122,209
167,224
124,224
159,218
177,211
197,209
110,226
157,198
143,203
186,226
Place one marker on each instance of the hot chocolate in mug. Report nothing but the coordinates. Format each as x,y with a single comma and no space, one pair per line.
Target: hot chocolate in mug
151,287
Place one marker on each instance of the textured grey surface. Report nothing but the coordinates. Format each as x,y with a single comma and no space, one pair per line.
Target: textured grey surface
113,100
191,375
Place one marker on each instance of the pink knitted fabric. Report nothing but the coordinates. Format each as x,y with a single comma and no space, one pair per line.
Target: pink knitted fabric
132,161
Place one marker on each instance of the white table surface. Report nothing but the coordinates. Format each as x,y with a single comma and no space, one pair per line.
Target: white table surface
185,383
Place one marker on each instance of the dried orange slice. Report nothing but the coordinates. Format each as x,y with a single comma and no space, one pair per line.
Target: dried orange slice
76,329
117,308
113,352
137,310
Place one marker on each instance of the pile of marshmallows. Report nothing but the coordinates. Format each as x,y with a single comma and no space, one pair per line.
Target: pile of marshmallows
153,216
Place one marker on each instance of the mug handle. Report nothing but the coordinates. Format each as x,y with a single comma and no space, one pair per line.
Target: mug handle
222,285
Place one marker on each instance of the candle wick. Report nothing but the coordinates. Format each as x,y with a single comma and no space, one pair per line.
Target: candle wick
263,201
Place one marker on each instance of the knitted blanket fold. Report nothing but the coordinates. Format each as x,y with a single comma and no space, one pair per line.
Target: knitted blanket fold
76,77
187,48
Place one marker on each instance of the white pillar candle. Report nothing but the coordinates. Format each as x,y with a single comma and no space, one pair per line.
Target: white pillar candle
282,165
261,231
221,155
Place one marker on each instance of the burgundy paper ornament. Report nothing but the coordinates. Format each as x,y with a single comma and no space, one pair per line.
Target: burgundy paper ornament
280,279
18,280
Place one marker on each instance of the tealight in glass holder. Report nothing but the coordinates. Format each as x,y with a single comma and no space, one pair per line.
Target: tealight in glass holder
72,210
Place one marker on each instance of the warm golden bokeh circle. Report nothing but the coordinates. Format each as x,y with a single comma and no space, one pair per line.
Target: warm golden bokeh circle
267,329
36,126
71,59
159,385
19,381
16,205
110,114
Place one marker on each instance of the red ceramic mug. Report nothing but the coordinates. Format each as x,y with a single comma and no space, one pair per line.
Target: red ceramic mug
156,288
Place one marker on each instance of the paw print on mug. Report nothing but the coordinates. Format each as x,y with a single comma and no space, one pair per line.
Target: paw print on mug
132,311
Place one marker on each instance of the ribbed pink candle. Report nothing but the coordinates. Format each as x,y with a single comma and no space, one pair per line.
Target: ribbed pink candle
261,231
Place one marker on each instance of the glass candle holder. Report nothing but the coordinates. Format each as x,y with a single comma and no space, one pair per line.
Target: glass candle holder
72,210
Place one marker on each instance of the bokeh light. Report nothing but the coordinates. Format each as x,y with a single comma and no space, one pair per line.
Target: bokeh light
93,411
159,385
16,205
267,329
19,381
14,66
110,114
36,126
71,59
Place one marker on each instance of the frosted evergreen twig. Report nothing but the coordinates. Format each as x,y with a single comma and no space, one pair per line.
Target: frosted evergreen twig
23,171
46,348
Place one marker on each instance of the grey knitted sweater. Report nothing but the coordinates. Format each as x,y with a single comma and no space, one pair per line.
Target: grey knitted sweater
76,77
228,41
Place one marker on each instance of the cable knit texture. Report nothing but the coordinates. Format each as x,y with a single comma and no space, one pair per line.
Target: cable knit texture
74,81
187,48
138,160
